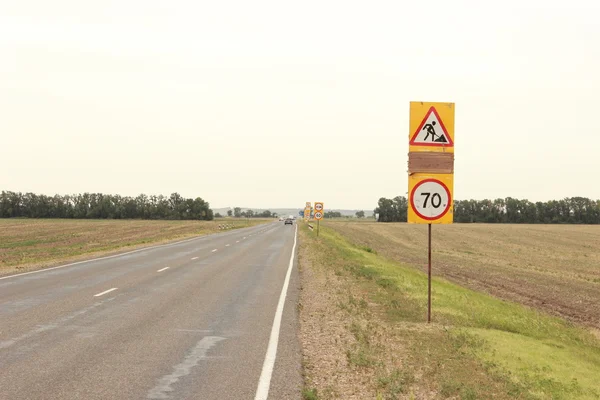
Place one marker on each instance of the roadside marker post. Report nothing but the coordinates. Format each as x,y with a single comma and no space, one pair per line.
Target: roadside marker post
431,170
318,213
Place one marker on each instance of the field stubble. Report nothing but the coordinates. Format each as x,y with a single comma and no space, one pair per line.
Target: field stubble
555,268
27,244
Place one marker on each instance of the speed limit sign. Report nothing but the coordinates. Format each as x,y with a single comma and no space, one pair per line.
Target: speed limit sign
318,215
318,206
430,199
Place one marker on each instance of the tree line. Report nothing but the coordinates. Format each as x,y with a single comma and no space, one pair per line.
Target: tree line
102,206
238,213
571,210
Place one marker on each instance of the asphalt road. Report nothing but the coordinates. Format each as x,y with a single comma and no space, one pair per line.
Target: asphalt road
190,320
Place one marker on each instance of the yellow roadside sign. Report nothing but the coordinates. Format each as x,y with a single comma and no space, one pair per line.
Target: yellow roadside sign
430,198
431,170
318,206
431,127
318,215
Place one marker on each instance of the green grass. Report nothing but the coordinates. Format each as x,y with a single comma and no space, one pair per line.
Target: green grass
309,394
478,346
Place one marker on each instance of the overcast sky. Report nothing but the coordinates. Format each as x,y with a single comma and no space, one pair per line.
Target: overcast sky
272,104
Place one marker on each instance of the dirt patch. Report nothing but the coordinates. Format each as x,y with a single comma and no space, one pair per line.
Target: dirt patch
350,349
324,336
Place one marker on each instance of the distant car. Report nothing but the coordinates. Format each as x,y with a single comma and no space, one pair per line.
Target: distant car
289,221
281,218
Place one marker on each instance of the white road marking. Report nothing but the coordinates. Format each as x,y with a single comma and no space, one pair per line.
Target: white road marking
214,250
164,388
161,270
106,291
244,238
227,245
195,258
237,241
262,391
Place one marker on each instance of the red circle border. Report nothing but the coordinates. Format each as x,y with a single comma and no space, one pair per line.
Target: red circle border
412,197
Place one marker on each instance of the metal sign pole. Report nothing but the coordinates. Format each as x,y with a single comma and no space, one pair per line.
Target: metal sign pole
318,227
429,280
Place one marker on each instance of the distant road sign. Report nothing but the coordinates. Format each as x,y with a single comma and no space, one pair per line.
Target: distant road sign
318,215
307,204
430,199
318,206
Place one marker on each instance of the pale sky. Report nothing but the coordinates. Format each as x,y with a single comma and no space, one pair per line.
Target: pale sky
272,104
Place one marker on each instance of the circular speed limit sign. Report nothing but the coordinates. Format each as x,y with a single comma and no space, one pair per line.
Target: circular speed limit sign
318,215
430,199
318,206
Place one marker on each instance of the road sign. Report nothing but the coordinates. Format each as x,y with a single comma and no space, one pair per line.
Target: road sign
430,170
430,198
318,206
431,127
318,215
307,204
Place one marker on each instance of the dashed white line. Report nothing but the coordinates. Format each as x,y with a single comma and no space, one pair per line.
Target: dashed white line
227,245
106,291
237,241
195,258
244,238
161,270
214,250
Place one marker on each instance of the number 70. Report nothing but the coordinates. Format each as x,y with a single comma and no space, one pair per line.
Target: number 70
436,199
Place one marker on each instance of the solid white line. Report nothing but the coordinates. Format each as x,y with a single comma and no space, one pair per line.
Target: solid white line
214,250
195,258
106,291
262,391
161,270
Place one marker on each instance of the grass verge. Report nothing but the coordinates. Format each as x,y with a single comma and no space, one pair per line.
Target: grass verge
478,346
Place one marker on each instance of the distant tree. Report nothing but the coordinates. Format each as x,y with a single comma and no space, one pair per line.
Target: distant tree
217,215
102,206
237,212
574,210
360,214
332,214
229,213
